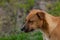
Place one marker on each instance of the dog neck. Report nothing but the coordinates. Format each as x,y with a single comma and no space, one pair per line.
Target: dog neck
50,24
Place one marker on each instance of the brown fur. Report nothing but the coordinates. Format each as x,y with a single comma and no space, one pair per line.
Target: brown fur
38,19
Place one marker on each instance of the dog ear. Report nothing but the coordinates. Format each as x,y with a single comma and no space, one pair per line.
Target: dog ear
40,15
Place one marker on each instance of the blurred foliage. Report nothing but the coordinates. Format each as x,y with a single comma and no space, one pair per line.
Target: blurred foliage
24,36
11,10
27,5
2,2
55,10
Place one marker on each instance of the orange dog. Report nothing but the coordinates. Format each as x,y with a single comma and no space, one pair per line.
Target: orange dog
38,19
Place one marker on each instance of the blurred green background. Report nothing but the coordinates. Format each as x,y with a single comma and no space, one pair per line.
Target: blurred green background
13,13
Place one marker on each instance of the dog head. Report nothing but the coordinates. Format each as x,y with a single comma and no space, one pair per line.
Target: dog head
34,20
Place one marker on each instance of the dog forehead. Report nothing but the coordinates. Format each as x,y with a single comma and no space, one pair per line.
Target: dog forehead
32,13
30,16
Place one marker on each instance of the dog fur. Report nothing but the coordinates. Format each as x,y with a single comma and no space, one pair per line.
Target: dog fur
49,24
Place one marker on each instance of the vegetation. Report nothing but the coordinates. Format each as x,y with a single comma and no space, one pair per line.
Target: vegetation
24,36
55,10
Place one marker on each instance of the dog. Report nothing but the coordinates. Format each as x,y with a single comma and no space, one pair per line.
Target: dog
47,23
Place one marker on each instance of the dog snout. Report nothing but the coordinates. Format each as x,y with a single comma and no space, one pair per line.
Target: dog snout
22,29
25,29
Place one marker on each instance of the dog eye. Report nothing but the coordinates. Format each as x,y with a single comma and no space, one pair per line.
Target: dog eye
30,21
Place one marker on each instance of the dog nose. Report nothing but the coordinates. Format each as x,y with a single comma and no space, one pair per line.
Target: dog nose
22,29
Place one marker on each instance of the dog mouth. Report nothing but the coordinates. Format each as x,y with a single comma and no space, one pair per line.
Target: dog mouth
27,30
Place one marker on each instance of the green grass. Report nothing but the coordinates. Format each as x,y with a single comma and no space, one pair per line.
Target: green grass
24,36
55,9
